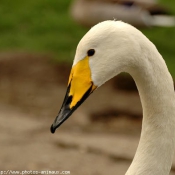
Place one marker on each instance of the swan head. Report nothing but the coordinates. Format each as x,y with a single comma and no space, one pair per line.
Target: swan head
105,51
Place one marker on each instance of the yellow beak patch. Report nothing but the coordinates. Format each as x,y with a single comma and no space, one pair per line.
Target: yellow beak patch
80,81
80,86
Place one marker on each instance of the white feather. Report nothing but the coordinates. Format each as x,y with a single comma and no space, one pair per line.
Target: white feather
119,47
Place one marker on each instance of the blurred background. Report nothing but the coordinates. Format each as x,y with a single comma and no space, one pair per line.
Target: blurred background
38,40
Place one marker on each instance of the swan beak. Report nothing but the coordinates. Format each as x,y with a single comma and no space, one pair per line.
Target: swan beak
80,86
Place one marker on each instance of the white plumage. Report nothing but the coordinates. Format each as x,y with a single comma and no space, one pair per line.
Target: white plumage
119,47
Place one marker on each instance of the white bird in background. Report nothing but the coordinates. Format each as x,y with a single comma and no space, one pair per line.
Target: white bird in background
106,50
139,13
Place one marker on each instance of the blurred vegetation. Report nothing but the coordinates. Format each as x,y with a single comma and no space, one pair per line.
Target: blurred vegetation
39,26
45,26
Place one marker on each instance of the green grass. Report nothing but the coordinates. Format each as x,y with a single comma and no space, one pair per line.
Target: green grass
45,26
39,26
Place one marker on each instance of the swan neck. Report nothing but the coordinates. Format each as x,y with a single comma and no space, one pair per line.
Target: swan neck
155,151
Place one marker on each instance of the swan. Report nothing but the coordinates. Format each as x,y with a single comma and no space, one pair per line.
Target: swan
107,49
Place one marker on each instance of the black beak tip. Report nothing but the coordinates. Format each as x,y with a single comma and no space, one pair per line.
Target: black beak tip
52,129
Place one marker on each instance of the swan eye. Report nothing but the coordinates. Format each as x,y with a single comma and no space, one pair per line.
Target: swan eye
90,52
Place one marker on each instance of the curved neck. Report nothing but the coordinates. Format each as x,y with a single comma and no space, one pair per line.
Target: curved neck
155,151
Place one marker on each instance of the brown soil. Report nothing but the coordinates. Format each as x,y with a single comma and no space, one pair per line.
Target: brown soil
99,138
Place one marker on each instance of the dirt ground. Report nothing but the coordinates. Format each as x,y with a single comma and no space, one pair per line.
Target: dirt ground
99,138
